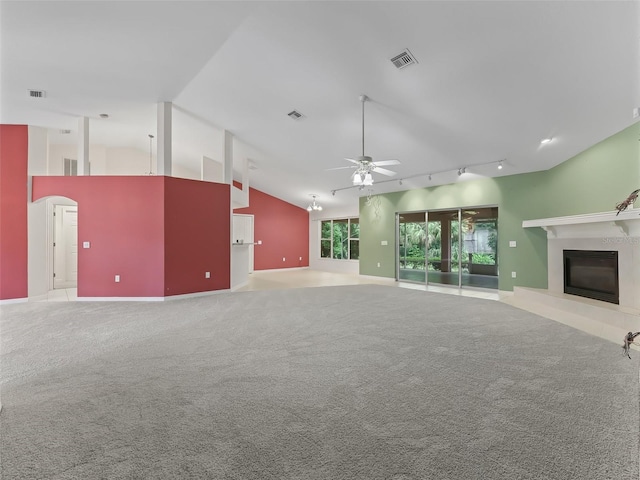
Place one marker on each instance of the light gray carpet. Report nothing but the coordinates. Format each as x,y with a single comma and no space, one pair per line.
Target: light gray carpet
357,382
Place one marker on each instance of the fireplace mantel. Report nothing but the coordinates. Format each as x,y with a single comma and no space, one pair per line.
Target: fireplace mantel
603,231
592,225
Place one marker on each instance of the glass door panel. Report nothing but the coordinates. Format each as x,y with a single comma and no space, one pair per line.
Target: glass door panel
480,247
443,256
412,240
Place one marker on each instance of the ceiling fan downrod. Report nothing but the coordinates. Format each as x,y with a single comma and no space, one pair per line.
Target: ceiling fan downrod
363,98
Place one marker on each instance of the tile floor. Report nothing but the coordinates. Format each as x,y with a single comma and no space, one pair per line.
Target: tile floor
303,278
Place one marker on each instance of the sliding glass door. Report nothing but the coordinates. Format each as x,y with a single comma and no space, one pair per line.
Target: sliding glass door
479,233
456,247
412,241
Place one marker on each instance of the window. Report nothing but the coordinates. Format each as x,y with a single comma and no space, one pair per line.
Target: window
340,239
70,167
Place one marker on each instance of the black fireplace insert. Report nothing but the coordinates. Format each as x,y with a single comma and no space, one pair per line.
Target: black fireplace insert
592,274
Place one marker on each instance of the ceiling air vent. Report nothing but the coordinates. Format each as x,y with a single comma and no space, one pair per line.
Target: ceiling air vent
37,93
295,115
404,59
65,131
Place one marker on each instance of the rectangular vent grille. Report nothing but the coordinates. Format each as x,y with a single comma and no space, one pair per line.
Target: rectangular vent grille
295,115
65,132
37,93
404,59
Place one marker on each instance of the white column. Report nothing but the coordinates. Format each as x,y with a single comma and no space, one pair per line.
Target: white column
163,156
228,157
83,146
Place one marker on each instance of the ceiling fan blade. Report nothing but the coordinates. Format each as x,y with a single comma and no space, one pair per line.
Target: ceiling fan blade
388,162
340,168
352,161
384,171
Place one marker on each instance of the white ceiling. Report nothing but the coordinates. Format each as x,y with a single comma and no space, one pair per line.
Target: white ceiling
492,80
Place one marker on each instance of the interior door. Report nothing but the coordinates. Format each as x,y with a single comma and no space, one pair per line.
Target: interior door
65,256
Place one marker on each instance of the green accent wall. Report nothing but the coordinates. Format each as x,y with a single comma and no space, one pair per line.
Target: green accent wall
592,181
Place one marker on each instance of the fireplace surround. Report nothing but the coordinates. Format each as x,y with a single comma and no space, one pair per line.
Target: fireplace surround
605,231
591,274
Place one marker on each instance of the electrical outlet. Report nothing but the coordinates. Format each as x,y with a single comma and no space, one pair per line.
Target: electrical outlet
117,278
207,274
512,243
513,274
300,259
284,259
378,264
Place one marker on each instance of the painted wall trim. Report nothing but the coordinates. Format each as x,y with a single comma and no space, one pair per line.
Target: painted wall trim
151,299
283,269
14,300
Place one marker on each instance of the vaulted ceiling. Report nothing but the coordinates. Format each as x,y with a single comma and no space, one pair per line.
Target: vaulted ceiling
491,80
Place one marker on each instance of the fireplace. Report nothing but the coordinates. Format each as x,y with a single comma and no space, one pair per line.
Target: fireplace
592,274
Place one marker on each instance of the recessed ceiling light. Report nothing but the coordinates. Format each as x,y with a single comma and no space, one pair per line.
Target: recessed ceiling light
545,140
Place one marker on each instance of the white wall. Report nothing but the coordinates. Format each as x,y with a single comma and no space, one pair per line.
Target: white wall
57,154
328,264
127,161
37,242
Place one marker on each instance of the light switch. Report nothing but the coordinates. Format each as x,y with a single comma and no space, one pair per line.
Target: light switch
512,243
207,274
384,242
86,244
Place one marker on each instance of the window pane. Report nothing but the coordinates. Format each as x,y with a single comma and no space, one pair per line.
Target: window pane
326,229
325,249
340,238
355,228
355,249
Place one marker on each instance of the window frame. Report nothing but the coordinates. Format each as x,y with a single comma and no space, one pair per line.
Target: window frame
350,238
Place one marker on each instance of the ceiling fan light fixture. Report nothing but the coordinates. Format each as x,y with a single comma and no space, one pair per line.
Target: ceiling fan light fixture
368,180
357,179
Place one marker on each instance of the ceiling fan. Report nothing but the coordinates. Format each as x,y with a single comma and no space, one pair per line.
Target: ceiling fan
364,164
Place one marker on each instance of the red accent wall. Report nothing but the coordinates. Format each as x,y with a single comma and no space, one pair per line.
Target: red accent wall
158,233
123,219
14,157
283,229
197,236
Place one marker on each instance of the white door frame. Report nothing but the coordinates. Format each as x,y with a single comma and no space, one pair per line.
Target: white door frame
60,246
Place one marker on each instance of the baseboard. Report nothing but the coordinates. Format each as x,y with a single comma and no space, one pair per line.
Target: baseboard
38,298
9,301
280,269
374,277
152,299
